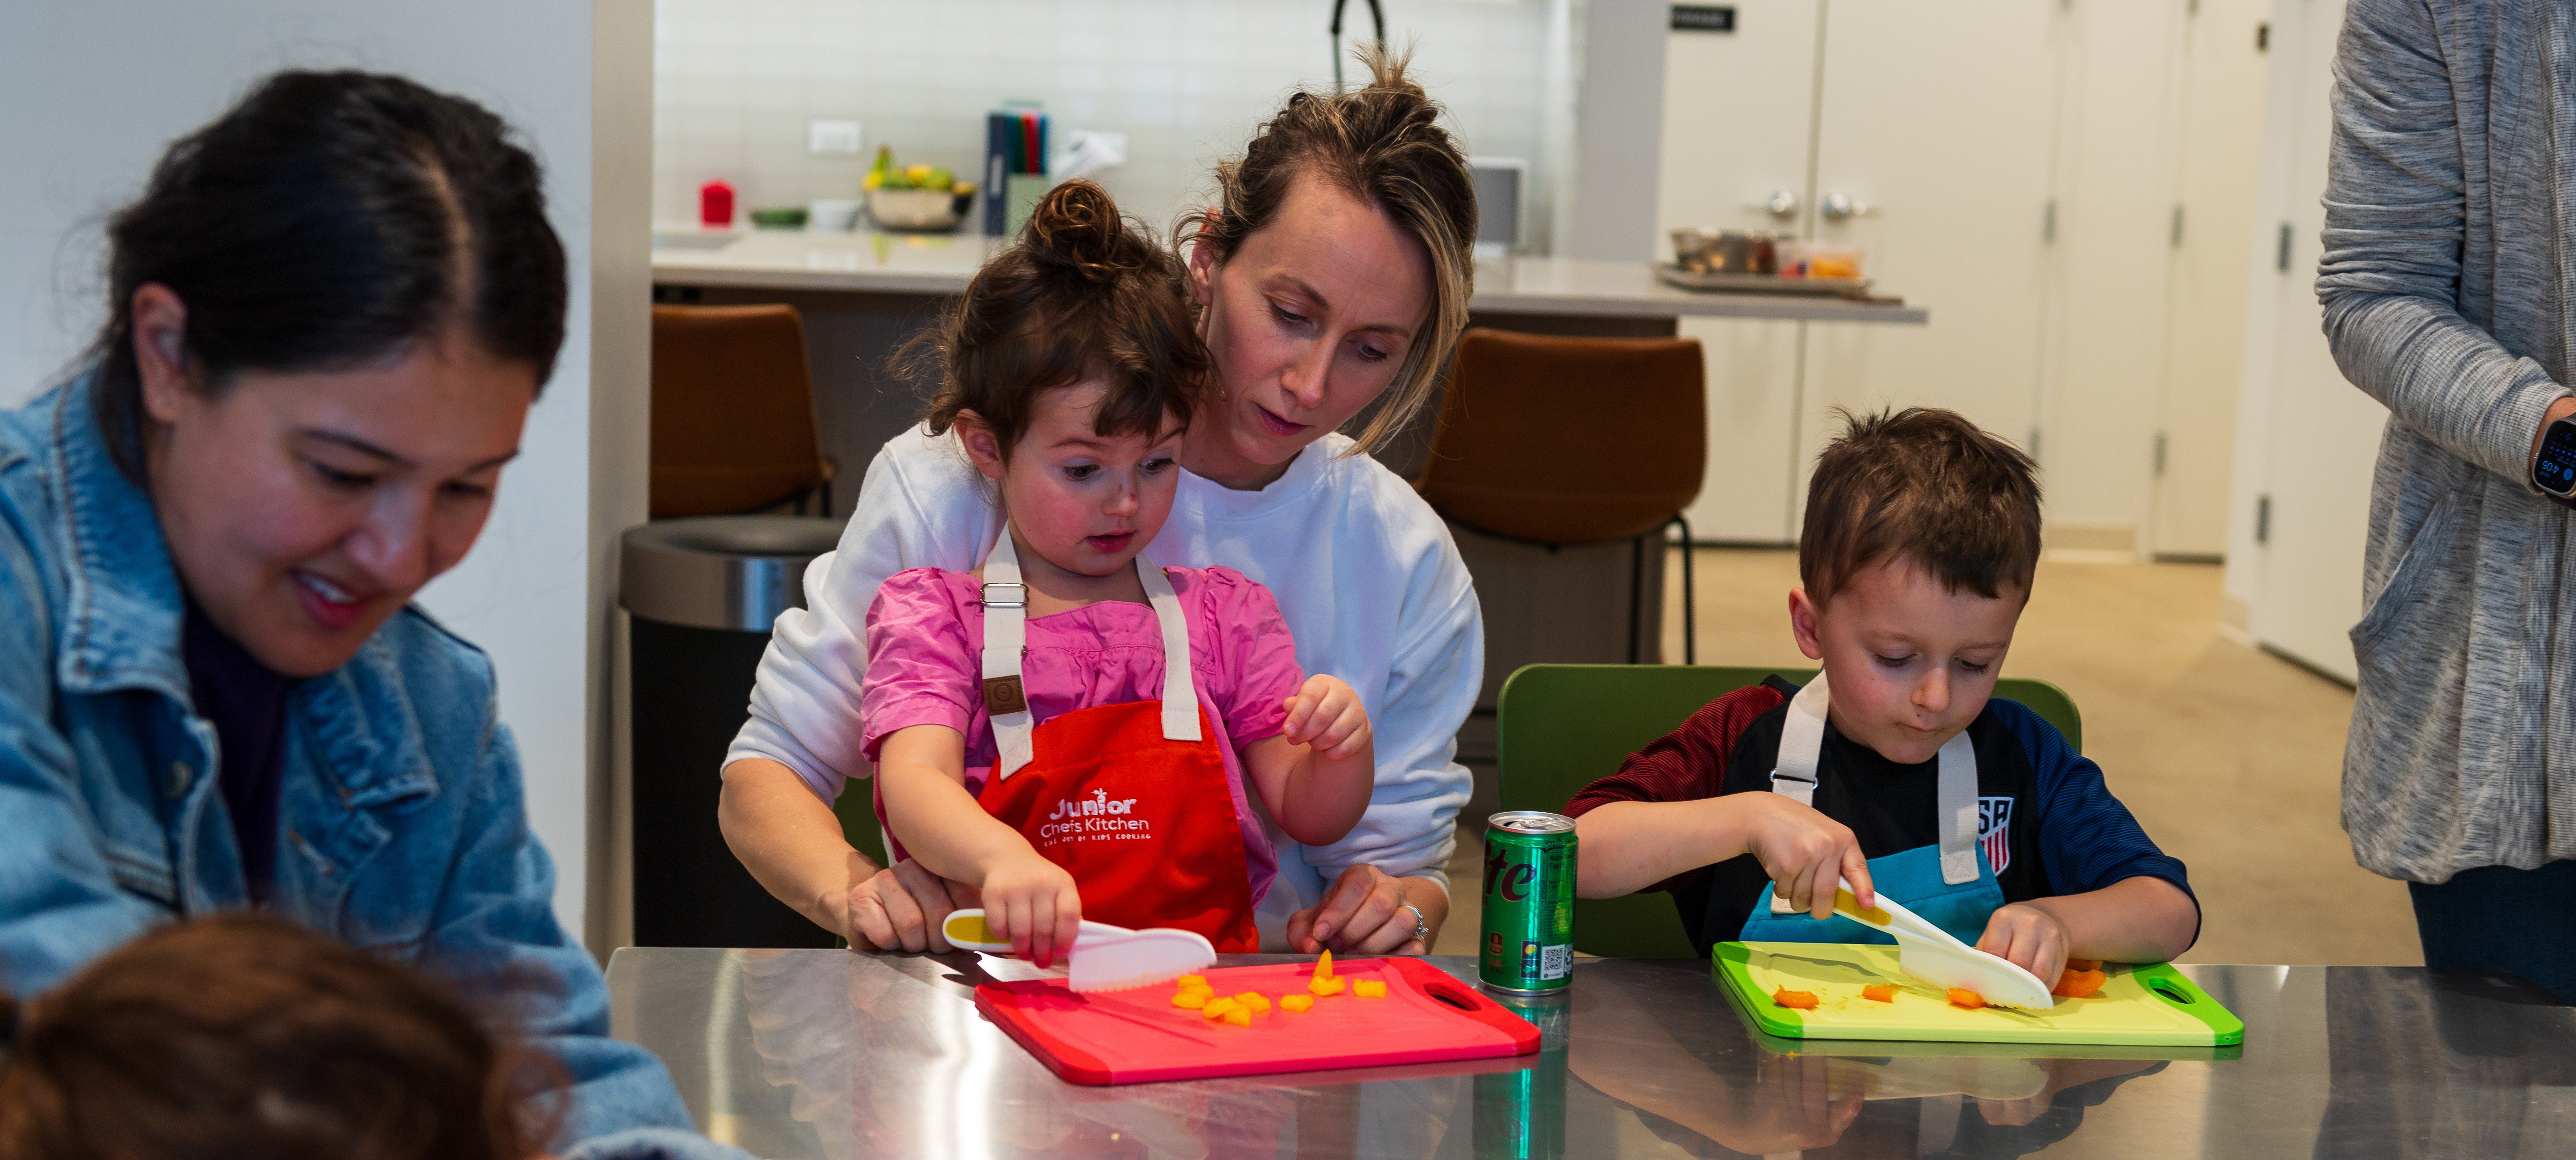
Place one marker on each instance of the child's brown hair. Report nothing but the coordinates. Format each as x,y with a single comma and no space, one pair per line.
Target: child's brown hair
1926,487
248,1036
1085,295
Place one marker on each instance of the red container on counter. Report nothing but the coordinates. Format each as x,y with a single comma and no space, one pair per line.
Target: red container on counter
715,204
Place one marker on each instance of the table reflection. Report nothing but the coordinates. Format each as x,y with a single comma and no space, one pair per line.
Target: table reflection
832,1055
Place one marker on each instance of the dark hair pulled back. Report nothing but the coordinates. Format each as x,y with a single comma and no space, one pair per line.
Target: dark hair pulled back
1085,295
330,220
1382,144
247,1035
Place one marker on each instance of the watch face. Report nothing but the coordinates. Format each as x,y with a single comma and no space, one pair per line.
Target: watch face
2555,471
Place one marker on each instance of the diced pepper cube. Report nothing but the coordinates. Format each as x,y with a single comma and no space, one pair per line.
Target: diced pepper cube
1369,988
1322,987
1239,1016
1963,997
1879,992
1802,1000
1190,999
1255,1000
2079,984
1194,980
1296,1002
1324,966
1216,1008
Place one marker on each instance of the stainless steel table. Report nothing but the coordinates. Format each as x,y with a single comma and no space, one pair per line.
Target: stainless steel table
829,1054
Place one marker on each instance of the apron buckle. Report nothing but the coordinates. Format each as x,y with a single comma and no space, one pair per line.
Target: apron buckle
1004,695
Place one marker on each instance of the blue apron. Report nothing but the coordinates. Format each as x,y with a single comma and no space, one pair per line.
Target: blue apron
1949,883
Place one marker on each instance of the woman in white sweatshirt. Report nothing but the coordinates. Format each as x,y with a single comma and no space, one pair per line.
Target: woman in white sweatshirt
1335,268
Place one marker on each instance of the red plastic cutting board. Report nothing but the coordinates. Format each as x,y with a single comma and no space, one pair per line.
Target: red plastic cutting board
1138,1036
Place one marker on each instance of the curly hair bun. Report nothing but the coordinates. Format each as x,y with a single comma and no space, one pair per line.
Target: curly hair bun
1076,230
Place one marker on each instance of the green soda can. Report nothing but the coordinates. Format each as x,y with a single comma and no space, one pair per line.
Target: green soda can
1529,903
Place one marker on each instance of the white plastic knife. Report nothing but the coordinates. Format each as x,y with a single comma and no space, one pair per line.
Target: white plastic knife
1931,954
1104,957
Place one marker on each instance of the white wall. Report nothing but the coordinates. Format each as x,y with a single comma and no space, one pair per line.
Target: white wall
737,81
89,96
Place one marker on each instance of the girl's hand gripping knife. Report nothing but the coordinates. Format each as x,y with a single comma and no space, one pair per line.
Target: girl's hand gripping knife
1104,957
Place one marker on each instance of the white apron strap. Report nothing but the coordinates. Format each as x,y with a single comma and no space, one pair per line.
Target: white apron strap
1802,742
1006,634
1180,697
1958,805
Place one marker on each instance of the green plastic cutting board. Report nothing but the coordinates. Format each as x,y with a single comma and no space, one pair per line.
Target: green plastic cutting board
2151,1004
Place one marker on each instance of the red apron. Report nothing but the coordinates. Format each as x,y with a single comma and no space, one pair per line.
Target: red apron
1133,799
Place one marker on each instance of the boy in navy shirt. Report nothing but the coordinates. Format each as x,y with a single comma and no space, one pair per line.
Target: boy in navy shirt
1894,769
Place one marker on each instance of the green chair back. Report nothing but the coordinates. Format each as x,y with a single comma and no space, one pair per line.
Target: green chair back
1562,727
857,811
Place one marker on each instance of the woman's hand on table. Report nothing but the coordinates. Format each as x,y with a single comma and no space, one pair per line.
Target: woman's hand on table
1369,911
901,907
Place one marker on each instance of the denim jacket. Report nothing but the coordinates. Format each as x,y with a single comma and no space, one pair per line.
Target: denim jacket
402,825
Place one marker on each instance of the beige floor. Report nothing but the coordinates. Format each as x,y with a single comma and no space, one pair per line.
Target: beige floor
2229,756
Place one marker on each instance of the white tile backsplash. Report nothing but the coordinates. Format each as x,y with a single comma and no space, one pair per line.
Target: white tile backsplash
736,83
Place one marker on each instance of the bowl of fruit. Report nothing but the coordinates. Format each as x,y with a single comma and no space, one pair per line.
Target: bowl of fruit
914,197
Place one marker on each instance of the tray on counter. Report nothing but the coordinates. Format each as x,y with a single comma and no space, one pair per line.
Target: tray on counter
1737,283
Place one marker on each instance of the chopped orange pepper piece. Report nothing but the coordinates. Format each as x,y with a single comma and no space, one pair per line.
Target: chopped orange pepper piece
1296,1002
1879,992
2079,984
1324,966
1217,1008
1802,1000
1963,997
1257,1002
1194,980
1369,988
1190,999
1323,987
1239,1016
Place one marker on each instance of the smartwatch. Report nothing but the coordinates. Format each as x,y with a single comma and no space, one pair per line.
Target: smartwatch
2553,471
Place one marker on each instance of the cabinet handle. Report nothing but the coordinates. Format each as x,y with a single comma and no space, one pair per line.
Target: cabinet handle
1838,206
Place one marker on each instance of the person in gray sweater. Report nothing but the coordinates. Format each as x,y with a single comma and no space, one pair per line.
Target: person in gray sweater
2448,294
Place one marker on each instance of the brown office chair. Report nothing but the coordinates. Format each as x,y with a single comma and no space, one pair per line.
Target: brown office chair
1563,441
733,413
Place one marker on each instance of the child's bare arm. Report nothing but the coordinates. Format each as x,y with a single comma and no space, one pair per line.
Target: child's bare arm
1628,846
1315,775
2133,920
921,771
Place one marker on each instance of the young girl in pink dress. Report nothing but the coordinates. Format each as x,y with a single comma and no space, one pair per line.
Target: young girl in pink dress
1072,729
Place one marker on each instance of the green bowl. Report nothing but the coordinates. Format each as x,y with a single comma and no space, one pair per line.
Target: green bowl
783,218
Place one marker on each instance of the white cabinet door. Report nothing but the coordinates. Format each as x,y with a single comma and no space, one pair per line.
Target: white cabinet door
1937,117
2321,436
2204,349
1738,111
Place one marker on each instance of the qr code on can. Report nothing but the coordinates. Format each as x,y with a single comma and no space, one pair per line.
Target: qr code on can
1555,962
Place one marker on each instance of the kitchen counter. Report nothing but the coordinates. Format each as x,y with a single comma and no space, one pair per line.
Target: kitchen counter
898,263
829,1054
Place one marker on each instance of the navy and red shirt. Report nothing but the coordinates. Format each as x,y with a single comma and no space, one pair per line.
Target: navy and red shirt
2045,820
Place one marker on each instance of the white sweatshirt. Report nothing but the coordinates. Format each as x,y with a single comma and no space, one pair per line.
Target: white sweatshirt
1365,573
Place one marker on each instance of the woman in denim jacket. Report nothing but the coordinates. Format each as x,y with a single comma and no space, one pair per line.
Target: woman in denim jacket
330,312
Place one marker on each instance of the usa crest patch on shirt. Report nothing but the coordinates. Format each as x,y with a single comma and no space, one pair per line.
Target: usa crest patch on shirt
1994,830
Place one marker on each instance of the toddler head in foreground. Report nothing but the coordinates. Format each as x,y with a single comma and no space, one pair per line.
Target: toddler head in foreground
246,1035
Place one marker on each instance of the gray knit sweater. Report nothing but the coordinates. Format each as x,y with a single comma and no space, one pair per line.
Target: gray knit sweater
2447,288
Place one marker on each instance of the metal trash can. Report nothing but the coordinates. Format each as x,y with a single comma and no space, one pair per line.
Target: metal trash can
703,593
